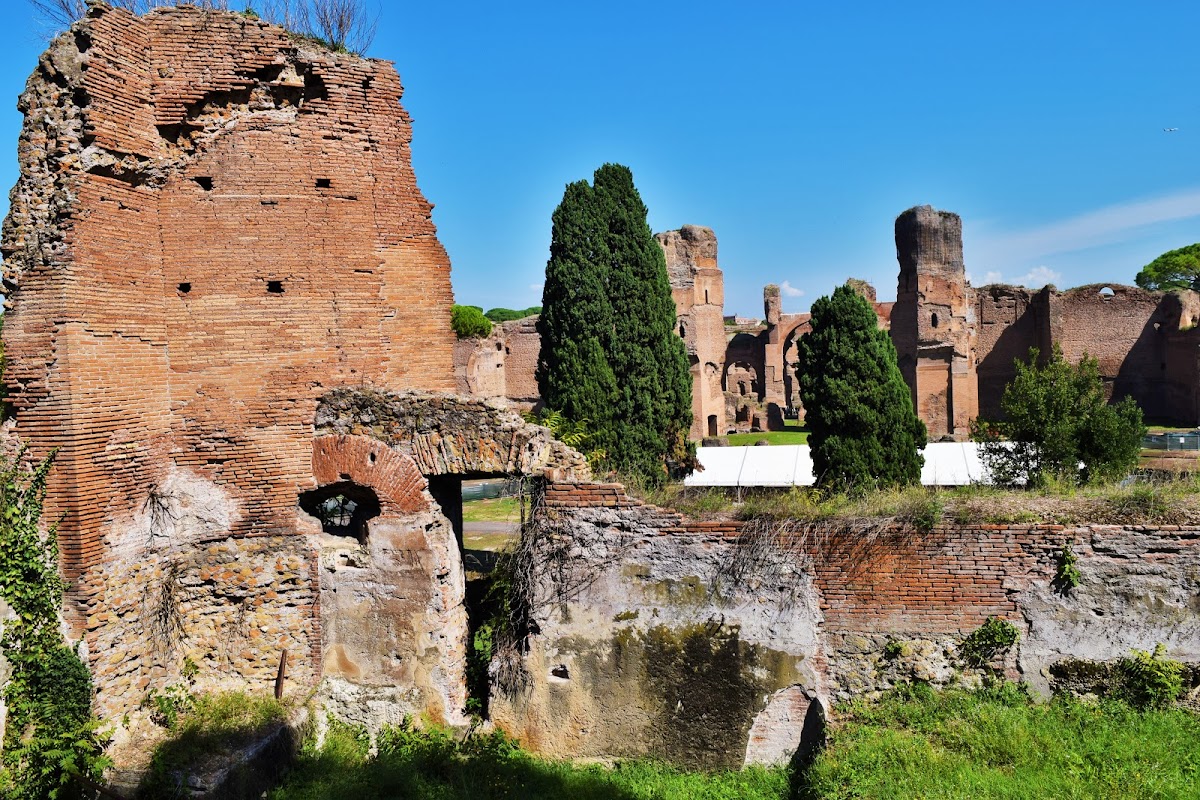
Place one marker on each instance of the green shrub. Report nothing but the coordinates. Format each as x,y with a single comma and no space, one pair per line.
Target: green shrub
509,314
1148,680
433,763
1055,418
469,322
1066,576
991,639
204,728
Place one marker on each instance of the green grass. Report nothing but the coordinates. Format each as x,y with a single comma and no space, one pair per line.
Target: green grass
433,766
209,729
495,509
770,437
916,743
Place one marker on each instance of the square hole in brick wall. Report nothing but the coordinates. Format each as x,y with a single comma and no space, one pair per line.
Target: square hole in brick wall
324,183
204,183
275,287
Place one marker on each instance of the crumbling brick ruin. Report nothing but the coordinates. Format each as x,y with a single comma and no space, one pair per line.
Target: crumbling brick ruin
743,377
707,643
228,312
216,227
933,322
698,288
956,344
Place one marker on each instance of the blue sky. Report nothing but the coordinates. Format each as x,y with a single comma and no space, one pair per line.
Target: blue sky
797,131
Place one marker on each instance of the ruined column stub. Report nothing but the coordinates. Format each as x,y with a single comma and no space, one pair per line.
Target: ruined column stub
215,223
933,325
698,288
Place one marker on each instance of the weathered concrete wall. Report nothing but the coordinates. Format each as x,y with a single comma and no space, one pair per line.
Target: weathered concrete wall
705,642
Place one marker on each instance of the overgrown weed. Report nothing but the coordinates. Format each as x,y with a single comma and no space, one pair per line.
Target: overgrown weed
206,729
435,763
999,743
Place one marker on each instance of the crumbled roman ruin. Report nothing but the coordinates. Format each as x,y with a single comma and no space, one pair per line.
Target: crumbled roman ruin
228,311
216,235
956,344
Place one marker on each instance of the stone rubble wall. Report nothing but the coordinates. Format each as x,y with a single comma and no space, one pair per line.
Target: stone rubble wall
704,643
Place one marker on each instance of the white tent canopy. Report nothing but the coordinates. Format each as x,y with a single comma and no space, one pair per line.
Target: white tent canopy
946,464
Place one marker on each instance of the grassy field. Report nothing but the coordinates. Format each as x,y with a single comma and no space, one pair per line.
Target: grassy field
770,437
496,509
793,433
432,765
914,743
999,744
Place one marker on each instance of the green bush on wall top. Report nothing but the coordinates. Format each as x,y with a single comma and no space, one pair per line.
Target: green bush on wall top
469,322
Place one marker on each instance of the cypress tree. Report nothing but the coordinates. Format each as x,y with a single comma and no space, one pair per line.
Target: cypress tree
573,373
609,349
864,432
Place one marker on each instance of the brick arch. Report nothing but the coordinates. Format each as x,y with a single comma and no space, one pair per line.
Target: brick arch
393,476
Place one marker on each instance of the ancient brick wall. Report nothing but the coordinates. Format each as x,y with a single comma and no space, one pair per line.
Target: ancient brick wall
1123,328
933,321
1144,342
214,224
654,629
698,288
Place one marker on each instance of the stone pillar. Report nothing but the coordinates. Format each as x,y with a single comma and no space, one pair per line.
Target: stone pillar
773,390
698,287
933,322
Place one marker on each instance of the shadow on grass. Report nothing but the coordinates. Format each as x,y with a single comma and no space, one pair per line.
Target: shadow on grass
433,764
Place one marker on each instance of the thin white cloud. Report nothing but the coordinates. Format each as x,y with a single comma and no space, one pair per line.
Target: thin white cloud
1038,277
535,287
790,291
991,276
1102,226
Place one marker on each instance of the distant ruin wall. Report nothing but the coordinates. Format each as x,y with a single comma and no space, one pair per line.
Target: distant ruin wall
705,643
1144,342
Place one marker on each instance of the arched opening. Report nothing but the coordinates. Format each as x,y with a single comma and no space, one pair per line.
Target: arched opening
343,509
933,319
712,424
1106,293
682,331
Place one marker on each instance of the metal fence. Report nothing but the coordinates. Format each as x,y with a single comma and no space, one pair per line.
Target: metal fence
1189,440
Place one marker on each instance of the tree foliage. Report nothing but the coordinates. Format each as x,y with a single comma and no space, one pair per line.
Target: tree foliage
469,322
609,350
1057,425
1177,269
343,25
864,432
510,314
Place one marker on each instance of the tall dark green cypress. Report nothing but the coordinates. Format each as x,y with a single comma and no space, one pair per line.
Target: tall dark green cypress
654,404
573,372
606,267
864,432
